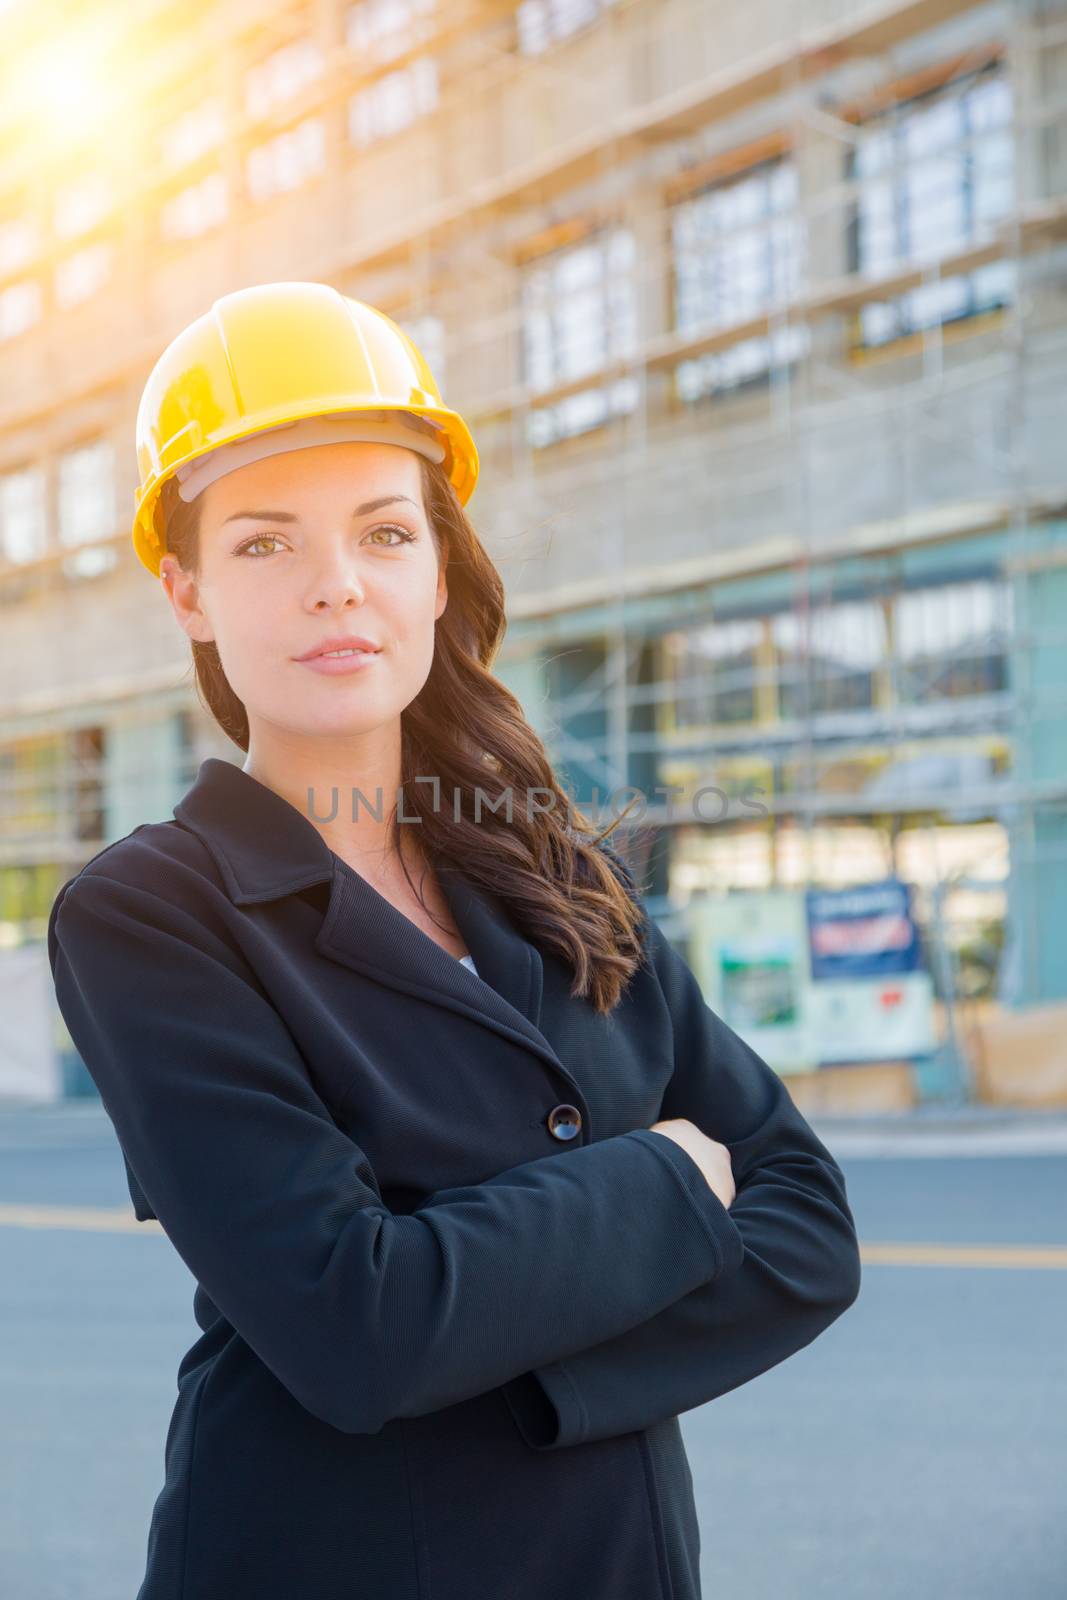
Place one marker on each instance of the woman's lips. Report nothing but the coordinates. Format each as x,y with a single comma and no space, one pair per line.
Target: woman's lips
340,666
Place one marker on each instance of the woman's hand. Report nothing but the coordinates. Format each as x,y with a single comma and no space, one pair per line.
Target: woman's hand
711,1157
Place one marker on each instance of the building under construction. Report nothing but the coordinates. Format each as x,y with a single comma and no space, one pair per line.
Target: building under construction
757,314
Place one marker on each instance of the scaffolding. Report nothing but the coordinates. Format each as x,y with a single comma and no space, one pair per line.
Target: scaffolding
523,156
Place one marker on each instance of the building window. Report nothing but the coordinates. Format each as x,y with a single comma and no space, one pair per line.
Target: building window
952,640
80,276
288,160
393,103
542,23
19,243
936,174
843,645
428,333
713,670
576,709
88,773
31,788
87,510
738,253
194,133
20,307
281,75
81,205
579,313
383,29
23,524
197,209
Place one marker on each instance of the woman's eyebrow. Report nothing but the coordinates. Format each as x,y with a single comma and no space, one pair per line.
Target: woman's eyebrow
290,516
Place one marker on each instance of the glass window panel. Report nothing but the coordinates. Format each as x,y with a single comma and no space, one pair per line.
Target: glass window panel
281,75
994,284
841,648
941,195
879,241
790,343
543,22
730,261
80,276
953,640
742,362
579,412
713,669
621,251
623,395
932,303
393,103
21,305
195,133
23,531
385,28
787,257
930,129
194,210
86,483
19,243
746,202
783,186
689,380
745,284
992,179
286,161
935,206
81,205
533,28
880,322
989,103
575,316
579,268
873,152
428,333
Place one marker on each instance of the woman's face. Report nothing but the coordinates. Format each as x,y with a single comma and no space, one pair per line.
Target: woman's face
304,547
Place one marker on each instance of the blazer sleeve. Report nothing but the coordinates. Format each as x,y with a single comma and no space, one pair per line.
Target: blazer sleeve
362,1314
801,1263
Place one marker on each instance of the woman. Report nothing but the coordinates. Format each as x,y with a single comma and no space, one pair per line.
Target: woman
478,1193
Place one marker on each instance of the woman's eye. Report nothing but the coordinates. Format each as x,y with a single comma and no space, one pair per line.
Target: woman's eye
260,538
405,537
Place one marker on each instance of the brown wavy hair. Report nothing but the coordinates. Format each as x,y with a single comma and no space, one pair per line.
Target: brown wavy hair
564,886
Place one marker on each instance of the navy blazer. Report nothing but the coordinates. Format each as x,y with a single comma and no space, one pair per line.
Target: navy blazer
453,1291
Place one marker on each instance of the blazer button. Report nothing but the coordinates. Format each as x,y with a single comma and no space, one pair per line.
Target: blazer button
565,1122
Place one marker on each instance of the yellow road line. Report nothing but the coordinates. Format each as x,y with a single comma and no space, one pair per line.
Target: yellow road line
101,1219
94,1219
964,1255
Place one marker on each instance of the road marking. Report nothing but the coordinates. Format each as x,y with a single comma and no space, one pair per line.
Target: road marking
964,1255
94,1219
103,1219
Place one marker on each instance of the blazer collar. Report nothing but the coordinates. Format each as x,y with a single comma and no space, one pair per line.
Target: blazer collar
266,848
263,846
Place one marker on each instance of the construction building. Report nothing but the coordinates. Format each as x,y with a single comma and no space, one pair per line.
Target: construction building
758,314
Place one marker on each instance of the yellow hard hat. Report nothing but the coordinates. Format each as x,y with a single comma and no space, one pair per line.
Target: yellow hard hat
273,354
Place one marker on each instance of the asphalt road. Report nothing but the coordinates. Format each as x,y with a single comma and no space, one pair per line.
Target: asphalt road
918,1449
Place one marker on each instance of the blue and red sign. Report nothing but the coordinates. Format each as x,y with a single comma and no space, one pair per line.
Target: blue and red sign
864,932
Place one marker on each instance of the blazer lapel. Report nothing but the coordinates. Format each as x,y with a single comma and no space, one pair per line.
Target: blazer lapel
365,931
266,848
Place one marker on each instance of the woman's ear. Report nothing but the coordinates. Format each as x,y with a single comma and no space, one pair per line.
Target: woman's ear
184,595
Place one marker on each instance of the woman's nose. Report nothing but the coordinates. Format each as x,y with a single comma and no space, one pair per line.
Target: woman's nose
336,583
